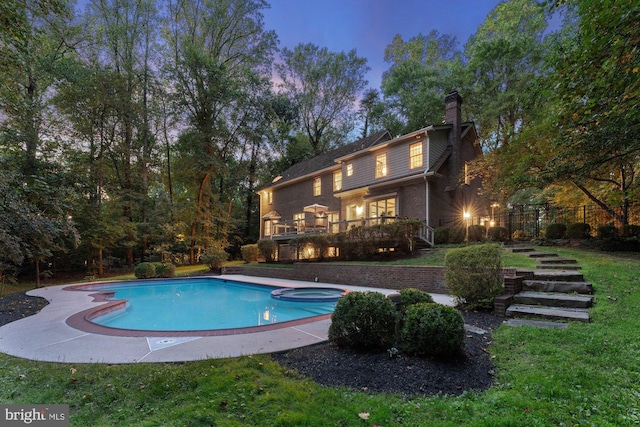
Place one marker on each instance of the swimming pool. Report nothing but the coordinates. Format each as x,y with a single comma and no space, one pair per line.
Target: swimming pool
197,304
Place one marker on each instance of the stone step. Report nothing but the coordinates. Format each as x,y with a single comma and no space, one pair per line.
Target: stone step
541,255
549,313
558,275
556,260
553,299
559,267
536,323
557,286
521,249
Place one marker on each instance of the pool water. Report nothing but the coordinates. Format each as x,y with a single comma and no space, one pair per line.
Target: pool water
202,304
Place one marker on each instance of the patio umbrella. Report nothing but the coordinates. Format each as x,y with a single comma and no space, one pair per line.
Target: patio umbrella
315,208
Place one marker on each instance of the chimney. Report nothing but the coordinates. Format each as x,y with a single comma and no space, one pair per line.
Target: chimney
453,116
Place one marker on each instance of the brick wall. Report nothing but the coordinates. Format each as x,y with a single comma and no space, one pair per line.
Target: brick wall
427,278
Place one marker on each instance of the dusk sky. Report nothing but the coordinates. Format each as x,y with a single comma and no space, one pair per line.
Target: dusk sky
370,25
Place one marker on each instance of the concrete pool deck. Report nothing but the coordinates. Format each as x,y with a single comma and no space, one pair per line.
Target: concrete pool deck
46,336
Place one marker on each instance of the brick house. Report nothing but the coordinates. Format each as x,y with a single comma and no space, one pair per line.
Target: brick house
421,175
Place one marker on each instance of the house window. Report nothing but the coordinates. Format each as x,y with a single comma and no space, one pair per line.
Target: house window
337,181
298,220
317,186
415,155
334,222
382,208
467,178
350,169
381,165
270,197
267,227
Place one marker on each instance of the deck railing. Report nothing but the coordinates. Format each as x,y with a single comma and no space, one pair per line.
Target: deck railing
283,230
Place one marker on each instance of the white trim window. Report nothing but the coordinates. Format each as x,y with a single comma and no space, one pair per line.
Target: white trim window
337,181
381,165
317,186
415,155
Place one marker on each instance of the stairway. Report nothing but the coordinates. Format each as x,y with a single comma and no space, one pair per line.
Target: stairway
555,292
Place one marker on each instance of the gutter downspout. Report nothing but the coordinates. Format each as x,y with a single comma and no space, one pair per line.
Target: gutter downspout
426,183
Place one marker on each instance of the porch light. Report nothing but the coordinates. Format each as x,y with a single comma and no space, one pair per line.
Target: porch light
359,210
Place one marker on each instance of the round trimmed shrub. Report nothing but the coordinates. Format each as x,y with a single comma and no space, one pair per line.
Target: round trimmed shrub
214,258
441,235
631,230
457,235
268,249
249,252
473,275
431,329
412,296
578,230
477,233
555,231
363,321
607,231
165,270
498,234
145,270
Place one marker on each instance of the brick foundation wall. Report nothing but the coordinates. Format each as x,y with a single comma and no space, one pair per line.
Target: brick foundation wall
427,278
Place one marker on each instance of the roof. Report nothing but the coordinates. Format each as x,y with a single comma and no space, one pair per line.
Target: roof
327,160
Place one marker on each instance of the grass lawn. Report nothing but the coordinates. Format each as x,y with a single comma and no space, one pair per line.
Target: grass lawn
588,375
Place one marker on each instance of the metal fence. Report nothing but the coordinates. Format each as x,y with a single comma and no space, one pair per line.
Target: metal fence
532,220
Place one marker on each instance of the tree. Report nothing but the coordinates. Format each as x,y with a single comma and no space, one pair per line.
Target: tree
34,219
324,85
33,38
596,85
505,61
504,80
368,106
422,71
220,59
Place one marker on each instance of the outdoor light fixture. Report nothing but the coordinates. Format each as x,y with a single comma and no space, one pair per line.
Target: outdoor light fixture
359,210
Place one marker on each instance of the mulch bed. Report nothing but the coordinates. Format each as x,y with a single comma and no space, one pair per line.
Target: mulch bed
472,370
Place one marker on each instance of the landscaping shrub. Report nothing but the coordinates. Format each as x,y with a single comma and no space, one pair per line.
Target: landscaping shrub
267,249
412,296
521,236
363,321
441,235
473,275
457,235
319,242
617,244
607,231
431,329
214,258
578,230
631,230
165,270
249,252
477,233
145,270
498,234
555,231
